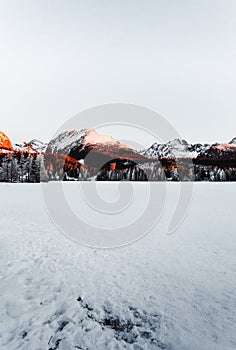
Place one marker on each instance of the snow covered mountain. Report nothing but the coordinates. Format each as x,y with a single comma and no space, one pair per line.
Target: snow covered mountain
175,149
220,151
91,146
34,145
79,144
86,154
67,141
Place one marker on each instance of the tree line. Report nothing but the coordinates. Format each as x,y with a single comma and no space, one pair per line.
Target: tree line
32,168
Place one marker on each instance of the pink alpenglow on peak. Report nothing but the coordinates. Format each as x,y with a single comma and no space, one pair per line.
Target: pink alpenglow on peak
93,138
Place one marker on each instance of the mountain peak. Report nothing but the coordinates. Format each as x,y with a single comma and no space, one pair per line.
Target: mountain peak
233,141
72,139
178,142
93,137
5,142
177,148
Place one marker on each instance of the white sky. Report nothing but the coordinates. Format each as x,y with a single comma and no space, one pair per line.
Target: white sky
60,57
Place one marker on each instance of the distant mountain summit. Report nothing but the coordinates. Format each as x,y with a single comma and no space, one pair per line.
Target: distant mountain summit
175,149
5,143
33,145
67,141
92,147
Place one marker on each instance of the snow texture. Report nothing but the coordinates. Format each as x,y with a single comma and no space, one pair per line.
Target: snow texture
174,292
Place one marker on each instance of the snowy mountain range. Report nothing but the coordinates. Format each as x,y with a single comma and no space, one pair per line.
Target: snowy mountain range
79,143
84,155
175,149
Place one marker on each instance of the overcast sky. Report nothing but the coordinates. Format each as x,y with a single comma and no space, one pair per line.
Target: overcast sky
60,57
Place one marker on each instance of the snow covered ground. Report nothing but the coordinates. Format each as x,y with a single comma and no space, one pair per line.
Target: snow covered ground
175,292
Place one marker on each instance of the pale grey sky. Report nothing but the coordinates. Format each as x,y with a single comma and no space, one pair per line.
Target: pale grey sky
60,57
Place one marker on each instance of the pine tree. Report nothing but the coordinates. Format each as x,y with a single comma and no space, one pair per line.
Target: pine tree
13,170
34,175
43,172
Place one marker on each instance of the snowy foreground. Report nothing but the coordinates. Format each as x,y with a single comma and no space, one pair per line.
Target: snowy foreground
163,292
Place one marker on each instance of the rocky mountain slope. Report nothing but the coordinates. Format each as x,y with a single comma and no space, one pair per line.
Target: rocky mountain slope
33,145
92,147
175,149
5,143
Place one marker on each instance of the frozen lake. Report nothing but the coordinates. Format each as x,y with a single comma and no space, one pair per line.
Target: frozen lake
175,292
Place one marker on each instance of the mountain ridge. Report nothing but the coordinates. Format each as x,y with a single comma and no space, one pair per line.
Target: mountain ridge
78,143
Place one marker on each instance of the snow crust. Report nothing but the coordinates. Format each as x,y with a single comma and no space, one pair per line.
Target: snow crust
163,292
